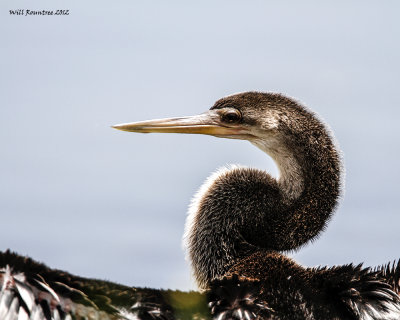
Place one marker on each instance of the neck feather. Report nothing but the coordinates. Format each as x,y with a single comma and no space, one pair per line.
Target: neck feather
291,175
240,210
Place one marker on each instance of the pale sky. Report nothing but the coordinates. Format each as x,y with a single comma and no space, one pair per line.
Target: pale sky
87,199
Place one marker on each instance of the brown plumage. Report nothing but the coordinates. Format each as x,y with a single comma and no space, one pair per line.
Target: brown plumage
247,209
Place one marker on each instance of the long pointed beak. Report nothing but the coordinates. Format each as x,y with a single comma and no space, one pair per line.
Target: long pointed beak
206,123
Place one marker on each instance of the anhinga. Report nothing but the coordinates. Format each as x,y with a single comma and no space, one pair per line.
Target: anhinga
240,223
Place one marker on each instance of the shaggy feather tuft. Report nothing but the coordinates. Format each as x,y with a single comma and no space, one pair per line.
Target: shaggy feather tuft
237,299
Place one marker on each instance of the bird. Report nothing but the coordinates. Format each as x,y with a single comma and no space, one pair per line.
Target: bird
240,226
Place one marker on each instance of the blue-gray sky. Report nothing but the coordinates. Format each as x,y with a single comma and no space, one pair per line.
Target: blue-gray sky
82,197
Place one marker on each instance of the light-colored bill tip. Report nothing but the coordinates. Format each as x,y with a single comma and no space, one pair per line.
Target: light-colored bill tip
121,127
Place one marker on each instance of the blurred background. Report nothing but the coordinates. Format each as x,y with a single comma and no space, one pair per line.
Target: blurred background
100,203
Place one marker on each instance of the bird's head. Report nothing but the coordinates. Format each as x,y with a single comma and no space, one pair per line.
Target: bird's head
249,116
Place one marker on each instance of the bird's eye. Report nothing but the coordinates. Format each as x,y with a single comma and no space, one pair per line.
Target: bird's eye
231,116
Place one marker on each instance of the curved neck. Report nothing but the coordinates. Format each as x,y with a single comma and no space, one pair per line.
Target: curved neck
242,210
309,185
290,165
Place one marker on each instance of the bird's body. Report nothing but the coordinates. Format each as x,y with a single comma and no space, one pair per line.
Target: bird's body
31,290
243,220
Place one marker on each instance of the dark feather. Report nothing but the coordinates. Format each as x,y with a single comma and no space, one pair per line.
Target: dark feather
237,299
391,274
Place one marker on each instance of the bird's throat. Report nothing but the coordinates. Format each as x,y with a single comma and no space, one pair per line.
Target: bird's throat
291,176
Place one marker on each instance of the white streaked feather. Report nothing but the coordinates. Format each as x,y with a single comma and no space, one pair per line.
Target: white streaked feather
56,315
6,296
370,311
22,314
126,314
26,294
221,315
48,289
13,310
14,288
37,314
